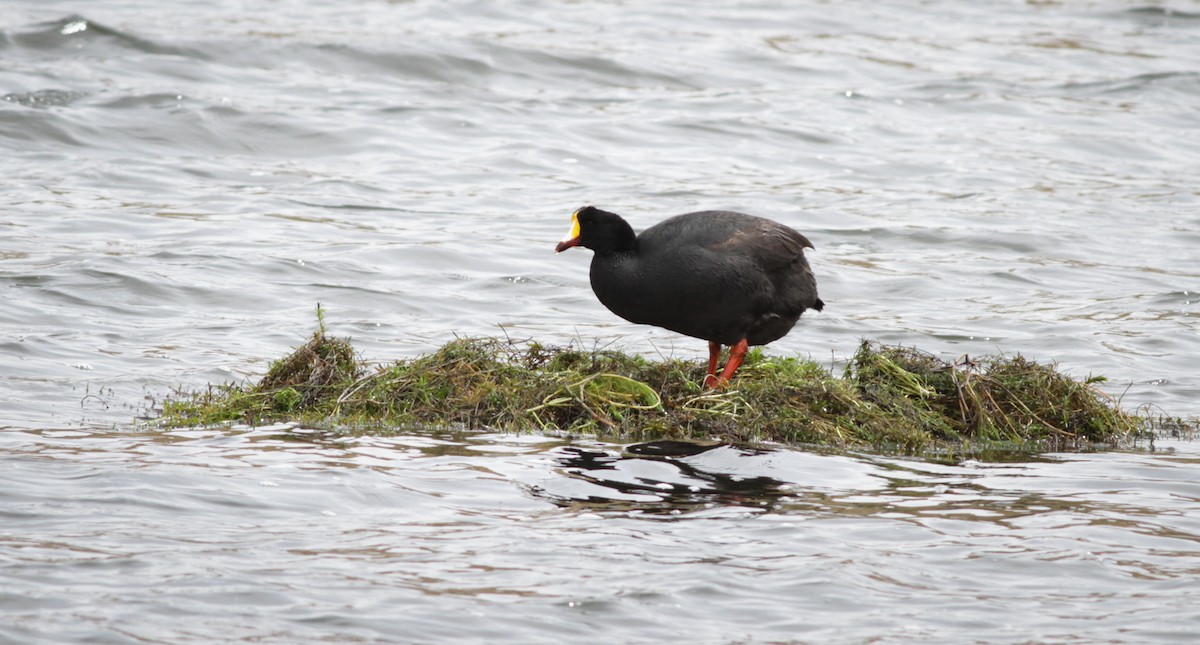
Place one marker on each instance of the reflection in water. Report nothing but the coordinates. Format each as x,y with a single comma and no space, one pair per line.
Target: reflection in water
653,479
672,478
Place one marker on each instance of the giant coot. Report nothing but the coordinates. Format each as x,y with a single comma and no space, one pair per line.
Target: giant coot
728,278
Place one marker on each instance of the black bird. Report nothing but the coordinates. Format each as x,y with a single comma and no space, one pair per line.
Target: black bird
728,278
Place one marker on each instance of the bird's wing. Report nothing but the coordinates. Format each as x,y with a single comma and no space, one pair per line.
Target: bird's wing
773,246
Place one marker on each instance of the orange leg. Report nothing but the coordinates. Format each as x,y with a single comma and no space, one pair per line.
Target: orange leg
736,353
714,355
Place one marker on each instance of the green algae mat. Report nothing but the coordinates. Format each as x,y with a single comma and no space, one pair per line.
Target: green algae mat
889,399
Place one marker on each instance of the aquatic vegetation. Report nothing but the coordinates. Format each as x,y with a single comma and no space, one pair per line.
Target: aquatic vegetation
891,399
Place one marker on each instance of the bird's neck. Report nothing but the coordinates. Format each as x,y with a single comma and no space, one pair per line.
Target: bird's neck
624,240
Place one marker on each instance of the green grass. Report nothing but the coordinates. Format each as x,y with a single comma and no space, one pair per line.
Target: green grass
889,399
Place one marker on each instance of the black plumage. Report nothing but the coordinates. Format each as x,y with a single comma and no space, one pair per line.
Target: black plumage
728,278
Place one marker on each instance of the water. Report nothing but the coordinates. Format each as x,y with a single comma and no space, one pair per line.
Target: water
266,536
183,184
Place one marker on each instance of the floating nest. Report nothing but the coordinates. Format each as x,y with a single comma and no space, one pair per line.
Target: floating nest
889,399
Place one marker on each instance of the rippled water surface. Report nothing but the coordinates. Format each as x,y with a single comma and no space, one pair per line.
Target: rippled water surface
183,182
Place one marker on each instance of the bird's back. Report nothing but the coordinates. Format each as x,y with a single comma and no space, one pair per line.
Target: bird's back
768,243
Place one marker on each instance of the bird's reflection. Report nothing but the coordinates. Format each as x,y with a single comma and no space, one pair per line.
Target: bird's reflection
658,478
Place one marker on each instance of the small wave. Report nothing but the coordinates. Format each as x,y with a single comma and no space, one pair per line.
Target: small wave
44,98
1188,82
1159,15
67,34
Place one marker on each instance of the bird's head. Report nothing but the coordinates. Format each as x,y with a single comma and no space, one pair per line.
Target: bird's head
600,231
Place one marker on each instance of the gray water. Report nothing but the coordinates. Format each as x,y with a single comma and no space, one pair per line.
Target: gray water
184,182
